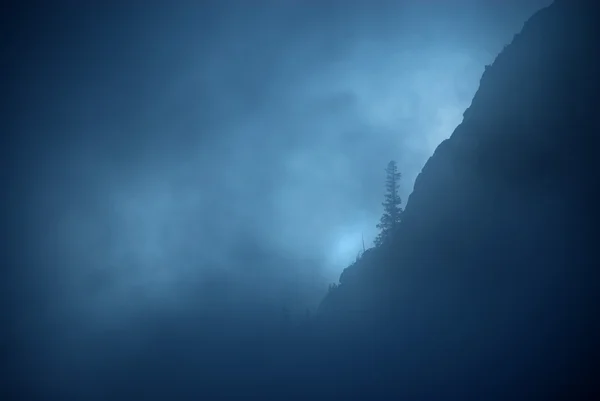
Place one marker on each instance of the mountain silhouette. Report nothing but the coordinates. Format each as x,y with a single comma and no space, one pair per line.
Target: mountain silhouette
490,286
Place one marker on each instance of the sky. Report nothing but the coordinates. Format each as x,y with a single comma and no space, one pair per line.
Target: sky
220,153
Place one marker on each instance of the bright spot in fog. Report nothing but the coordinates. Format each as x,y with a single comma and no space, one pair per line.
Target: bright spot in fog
346,247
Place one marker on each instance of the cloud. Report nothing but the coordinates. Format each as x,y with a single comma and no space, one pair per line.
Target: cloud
166,147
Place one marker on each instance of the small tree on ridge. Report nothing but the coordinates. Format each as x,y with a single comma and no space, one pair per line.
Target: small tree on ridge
392,211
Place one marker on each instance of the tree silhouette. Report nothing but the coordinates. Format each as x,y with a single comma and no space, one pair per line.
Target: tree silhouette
392,212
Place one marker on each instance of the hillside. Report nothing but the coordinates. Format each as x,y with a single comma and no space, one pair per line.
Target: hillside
495,264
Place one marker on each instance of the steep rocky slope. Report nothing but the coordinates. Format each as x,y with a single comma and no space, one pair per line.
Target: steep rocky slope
496,261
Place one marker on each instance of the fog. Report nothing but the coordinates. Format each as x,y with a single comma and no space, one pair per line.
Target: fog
175,156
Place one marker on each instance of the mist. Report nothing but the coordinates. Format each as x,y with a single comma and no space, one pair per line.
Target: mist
170,159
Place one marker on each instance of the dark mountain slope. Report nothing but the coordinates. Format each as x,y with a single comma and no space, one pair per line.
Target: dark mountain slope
494,274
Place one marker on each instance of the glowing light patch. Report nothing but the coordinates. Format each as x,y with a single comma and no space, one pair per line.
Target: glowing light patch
346,247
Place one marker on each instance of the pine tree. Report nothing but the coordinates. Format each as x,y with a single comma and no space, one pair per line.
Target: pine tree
392,212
